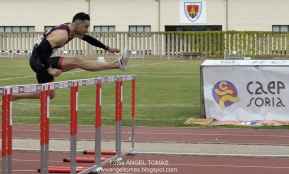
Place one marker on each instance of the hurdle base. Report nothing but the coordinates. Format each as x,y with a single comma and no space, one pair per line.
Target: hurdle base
97,171
84,159
93,169
62,169
92,152
132,153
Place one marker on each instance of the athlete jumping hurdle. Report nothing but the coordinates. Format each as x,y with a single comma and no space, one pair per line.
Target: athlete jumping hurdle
47,67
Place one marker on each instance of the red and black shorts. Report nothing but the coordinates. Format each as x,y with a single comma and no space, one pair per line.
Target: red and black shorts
44,77
37,66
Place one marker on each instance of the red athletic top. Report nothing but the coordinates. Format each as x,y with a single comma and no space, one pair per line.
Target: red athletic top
85,37
60,27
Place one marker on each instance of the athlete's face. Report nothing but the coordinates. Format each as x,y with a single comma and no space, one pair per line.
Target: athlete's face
82,27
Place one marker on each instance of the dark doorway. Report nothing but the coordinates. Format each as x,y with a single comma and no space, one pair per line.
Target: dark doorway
193,28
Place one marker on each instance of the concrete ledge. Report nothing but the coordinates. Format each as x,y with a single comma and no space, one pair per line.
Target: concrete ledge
165,148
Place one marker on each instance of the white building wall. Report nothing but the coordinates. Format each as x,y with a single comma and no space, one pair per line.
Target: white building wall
258,15
243,14
38,13
123,13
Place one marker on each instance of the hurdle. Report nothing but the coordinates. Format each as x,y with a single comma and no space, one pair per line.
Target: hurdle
44,89
6,131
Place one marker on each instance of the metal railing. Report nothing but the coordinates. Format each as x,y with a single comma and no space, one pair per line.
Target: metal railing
209,44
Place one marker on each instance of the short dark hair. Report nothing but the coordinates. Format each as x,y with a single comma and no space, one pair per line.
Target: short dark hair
81,16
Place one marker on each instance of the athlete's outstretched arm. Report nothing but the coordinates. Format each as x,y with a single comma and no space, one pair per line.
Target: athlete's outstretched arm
91,40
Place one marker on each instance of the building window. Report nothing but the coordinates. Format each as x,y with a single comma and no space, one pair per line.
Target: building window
17,28
139,28
31,29
104,28
24,29
47,28
280,28
7,29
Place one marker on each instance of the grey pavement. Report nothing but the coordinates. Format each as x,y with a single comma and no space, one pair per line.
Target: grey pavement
165,148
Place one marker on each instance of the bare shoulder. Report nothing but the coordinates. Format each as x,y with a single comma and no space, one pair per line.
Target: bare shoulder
59,34
58,37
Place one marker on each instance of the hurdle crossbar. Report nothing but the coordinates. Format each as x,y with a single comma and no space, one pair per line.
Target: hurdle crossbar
18,89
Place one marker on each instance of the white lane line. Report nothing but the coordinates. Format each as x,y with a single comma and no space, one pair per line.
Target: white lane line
212,154
230,166
26,160
199,165
21,171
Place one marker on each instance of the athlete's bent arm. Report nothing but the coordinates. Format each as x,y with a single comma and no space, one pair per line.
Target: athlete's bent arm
56,39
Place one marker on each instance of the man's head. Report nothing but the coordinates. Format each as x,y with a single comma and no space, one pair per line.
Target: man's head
81,21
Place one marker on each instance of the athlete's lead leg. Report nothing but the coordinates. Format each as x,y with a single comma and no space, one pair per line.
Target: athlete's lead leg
69,63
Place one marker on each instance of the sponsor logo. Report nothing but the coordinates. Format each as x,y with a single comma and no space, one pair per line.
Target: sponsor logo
265,94
225,93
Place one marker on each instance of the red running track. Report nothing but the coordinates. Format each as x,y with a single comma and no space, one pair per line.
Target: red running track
178,135
27,163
